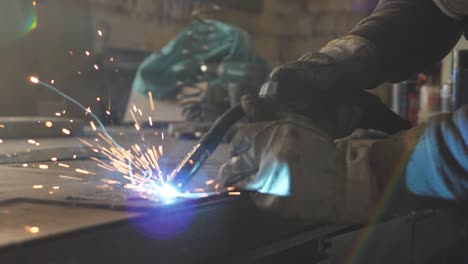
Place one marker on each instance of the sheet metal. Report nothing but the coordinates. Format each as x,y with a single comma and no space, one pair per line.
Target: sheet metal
123,228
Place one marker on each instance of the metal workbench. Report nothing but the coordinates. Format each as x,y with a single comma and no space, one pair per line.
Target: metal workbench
79,223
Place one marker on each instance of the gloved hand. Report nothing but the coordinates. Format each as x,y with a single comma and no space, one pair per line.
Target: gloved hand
345,64
296,169
321,84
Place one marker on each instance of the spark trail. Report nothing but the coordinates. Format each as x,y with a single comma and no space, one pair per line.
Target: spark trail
139,165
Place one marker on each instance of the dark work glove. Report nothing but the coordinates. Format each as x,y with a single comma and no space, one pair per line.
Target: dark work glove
348,63
340,114
327,86
376,115
296,168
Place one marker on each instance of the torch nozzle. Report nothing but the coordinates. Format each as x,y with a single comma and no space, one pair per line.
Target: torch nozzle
192,162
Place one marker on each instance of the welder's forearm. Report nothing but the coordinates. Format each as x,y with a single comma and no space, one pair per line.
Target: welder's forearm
408,35
438,165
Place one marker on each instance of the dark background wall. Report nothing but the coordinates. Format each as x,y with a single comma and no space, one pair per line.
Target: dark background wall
282,31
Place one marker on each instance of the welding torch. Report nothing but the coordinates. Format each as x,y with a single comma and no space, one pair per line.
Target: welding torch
182,174
192,162
376,115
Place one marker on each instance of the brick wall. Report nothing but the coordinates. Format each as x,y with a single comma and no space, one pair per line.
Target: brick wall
282,30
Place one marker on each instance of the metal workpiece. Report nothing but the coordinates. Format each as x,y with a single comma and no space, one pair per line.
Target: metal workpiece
222,229
70,164
209,231
40,127
50,212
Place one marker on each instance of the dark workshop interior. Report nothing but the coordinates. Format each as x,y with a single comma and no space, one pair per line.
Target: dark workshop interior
233,131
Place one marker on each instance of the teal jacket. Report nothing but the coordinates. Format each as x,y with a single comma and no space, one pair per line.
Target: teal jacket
180,61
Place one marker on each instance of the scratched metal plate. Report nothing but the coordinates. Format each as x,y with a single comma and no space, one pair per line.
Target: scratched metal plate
22,177
36,192
22,221
36,127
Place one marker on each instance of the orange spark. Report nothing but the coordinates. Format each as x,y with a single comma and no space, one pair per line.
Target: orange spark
64,165
93,126
32,229
161,150
82,171
150,120
209,182
70,178
34,79
150,97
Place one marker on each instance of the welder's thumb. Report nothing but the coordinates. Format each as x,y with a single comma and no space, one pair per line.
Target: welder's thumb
258,109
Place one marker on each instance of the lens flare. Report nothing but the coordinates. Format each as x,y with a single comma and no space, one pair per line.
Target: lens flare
18,20
32,24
